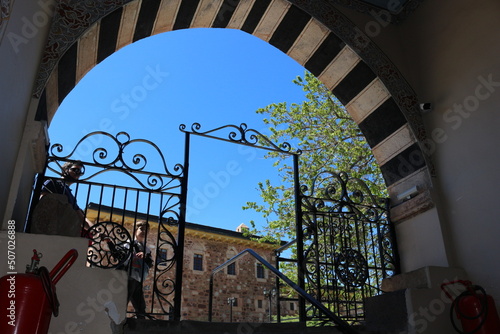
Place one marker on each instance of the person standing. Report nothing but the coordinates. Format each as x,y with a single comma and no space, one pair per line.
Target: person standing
57,211
139,268
70,173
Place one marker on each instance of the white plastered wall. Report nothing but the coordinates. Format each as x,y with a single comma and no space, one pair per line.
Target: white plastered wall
448,51
21,46
457,53
420,242
86,295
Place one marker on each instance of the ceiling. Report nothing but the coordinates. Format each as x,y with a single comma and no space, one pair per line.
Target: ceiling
390,5
399,10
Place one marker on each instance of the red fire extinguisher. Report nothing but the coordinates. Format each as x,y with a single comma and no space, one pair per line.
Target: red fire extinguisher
28,300
474,308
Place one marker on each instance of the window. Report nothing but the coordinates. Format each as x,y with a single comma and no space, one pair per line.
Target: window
231,269
198,262
260,271
162,256
292,306
259,303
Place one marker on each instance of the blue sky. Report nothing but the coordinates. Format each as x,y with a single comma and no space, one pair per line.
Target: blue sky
211,76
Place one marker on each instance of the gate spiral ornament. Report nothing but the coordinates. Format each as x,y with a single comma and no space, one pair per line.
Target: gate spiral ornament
351,267
109,246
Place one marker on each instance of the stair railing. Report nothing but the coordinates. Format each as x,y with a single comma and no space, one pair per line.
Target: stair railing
343,326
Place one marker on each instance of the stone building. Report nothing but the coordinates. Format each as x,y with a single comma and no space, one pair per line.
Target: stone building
243,282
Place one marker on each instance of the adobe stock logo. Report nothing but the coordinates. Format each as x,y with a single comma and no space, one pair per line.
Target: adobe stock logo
373,28
454,117
131,100
219,180
30,27
94,304
123,107
210,190
471,103
461,111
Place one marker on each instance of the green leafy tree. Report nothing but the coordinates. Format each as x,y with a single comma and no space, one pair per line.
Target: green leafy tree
329,140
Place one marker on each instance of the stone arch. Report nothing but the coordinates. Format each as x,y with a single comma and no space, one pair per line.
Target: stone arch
314,33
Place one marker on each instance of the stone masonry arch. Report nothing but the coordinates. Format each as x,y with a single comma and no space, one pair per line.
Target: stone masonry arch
314,33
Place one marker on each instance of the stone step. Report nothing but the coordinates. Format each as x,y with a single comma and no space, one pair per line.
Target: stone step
144,326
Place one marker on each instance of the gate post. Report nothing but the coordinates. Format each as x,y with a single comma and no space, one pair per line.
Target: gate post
181,232
299,232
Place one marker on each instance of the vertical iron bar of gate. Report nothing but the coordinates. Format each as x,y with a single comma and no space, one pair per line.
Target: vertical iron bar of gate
36,190
300,236
278,296
181,231
392,232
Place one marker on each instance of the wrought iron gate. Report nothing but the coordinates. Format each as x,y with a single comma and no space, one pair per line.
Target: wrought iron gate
346,245
344,239
126,181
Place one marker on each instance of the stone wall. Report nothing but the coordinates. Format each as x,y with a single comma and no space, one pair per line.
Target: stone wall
244,285
251,304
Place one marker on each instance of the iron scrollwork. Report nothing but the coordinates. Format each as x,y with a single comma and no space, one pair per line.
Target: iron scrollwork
349,249
388,256
120,156
351,267
164,285
149,186
242,135
109,246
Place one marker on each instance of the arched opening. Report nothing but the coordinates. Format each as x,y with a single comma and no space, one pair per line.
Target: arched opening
327,44
439,63
370,88
138,94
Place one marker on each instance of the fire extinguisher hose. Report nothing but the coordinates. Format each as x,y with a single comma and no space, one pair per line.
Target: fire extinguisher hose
484,309
50,290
